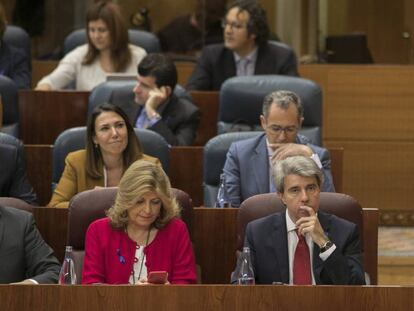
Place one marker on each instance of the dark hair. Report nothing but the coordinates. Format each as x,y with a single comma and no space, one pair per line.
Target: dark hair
110,13
132,152
160,67
257,23
282,99
3,23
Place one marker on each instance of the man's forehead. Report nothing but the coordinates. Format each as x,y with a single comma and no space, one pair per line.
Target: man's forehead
238,14
295,180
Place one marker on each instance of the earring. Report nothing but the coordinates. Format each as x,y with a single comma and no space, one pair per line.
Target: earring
96,146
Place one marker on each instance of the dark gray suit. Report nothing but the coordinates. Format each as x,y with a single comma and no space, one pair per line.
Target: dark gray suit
180,118
13,178
247,168
267,239
217,64
23,252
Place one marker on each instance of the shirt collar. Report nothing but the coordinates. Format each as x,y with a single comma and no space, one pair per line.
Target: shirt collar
252,56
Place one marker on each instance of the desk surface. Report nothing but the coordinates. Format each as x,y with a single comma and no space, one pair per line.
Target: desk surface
205,297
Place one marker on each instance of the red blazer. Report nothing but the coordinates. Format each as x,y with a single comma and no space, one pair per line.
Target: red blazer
109,254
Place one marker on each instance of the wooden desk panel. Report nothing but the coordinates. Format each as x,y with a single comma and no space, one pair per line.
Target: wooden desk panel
44,115
208,103
39,170
206,297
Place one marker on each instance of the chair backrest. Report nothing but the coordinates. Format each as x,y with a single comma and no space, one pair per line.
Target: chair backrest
241,100
339,204
214,154
87,206
102,93
10,102
73,139
18,37
144,39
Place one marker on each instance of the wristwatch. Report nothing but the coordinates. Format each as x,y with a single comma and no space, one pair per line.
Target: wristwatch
328,244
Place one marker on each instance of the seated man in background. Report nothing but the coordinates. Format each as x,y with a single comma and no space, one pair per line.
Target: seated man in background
24,256
156,107
246,50
249,162
13,61
303,245
13,178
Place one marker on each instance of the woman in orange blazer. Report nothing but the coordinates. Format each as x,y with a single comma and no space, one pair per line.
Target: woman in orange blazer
111,147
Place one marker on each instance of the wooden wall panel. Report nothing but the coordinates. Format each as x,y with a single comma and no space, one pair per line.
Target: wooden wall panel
379,174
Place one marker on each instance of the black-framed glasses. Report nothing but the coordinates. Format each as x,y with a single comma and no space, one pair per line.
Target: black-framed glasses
288,130
232,25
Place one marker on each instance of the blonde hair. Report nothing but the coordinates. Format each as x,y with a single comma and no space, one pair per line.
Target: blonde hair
140,178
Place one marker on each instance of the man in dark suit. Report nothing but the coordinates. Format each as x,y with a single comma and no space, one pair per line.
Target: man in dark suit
24,255
156,107
246,50
248,164
303,245
13,178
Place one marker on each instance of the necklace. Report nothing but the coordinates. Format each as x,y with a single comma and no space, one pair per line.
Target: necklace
136,260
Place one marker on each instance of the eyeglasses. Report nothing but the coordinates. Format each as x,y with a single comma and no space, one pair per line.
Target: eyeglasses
309,189
277,130
232,25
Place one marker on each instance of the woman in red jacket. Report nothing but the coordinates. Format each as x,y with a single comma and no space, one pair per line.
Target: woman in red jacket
141,233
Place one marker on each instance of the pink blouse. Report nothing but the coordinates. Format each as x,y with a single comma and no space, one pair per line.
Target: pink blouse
109,254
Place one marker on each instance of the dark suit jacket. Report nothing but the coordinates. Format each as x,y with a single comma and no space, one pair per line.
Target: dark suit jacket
23,252
247,168
13,179
217,64
180,118
15,65
267,239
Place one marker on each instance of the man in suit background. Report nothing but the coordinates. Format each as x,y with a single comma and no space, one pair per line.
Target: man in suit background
156,107
24,255
13,178
303,245
246,50
249,161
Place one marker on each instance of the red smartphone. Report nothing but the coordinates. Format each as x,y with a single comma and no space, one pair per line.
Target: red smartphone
158,277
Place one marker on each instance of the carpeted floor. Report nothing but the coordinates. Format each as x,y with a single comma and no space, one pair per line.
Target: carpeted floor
396,241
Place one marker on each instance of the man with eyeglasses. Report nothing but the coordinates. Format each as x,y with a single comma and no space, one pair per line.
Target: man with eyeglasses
246,50
303,245
249,162
156,106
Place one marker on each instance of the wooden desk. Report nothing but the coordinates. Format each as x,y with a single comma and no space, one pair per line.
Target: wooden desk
206,297
44,115
214,237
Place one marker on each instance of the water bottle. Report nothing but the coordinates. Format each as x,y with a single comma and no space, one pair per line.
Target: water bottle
67,273
245,274
222,195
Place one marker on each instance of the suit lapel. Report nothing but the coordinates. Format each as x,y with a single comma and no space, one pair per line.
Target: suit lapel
277,241
325,221
261,166
262,63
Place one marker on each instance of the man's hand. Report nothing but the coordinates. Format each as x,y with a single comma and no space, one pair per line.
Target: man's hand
156,97
310,224
282,151
24,282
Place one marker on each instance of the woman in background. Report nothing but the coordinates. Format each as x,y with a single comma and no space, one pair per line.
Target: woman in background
111,147
141,233
107,51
